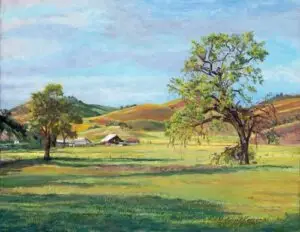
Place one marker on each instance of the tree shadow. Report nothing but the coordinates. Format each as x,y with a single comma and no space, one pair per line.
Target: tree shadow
87,162
291,222
23,181
116,213
206,169
137,165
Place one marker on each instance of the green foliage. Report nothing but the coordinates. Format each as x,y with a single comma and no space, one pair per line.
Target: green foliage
64,125
127,106
47,107
124,125
11,126
112,123
94,127
89,110
272,137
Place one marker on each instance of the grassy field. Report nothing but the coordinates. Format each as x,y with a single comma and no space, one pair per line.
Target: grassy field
150,187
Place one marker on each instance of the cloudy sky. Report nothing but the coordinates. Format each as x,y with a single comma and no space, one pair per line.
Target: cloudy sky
117,52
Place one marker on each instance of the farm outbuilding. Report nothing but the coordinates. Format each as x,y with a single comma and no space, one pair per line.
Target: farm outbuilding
74,142
81,142
111,139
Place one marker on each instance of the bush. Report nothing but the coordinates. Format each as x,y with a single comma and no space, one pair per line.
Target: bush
94,127
112,123
272,137
230,156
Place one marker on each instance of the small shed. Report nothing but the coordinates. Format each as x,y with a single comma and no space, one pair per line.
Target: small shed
81,142
60,142
111,139
74,142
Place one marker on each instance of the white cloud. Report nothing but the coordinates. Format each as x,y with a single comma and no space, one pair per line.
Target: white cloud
25,49
285,74
154,36
96,89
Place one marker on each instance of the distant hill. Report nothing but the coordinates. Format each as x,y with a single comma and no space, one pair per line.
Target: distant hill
21,113
154,112
89,110
288,110
288,115
152,116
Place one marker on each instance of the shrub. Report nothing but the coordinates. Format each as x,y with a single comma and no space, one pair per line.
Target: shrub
94,127
112,123
272,137
230,156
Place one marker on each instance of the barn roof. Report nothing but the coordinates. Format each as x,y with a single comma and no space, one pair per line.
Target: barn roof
109,137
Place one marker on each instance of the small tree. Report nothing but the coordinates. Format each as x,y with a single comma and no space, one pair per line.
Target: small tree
64,126
272,136
47,106
220,76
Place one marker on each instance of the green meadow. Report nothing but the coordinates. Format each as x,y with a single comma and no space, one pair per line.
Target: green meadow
150,187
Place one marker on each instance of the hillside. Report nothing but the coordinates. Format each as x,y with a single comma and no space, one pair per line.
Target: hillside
288,110
89,110
21,112
141,112
152,116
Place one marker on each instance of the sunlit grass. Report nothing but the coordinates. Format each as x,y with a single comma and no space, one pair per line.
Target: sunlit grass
149,187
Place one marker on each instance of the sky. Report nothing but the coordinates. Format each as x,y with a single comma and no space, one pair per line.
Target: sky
121,52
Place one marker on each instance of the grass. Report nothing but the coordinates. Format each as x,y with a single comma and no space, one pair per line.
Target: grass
150,187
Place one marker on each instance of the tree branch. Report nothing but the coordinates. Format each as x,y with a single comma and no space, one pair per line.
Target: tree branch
207,120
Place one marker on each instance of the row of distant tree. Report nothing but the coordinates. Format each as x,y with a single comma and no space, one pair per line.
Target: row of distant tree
127,106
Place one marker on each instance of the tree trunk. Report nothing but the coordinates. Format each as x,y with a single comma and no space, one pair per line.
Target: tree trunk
47,147
244,142
53,140
64,141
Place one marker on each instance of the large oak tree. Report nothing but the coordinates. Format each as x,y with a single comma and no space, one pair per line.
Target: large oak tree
219,79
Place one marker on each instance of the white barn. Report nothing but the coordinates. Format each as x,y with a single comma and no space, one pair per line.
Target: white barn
74,142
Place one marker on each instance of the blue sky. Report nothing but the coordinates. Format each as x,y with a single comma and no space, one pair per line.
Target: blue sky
125,51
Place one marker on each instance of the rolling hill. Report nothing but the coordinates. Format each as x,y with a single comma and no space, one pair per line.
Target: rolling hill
143,117
154,112
153,116
288,110
21,113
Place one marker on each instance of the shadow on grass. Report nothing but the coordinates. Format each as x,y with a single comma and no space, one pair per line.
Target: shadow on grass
206,169
92,162
24,181
77,162
138,165
119,213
